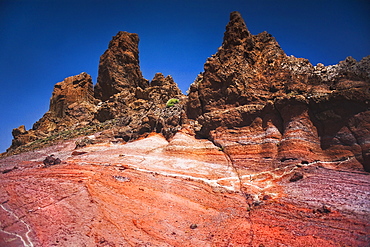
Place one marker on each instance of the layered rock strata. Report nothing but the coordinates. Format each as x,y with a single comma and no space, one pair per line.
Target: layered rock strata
178,192
280,162
261,105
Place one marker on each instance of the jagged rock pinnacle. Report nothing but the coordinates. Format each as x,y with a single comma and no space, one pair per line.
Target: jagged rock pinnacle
236,31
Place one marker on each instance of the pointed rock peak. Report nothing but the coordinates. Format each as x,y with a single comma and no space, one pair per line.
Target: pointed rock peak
123,39
158,80
236,31
236,18
119,68
158,76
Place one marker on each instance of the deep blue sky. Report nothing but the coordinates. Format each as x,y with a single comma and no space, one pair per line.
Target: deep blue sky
44,41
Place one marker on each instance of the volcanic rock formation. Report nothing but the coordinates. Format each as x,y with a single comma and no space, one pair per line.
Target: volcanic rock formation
72,104
262,105
266,150
122,101
119,68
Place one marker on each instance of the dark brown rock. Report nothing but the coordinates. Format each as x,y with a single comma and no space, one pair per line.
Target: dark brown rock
21,137
72,105
296,176
72,102
240,72
160,90
73,90
21,130
119,68
51,161
145,110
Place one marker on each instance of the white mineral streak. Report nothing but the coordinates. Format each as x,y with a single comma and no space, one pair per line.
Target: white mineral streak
26,240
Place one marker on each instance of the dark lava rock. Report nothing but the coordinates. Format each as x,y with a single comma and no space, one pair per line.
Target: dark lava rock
51,160
296,176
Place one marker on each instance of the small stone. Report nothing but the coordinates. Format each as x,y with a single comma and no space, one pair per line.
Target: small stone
193,226
323,210
266,197
50,161
297,176
78,153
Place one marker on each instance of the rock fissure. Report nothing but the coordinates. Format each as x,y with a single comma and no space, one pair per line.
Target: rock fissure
26,240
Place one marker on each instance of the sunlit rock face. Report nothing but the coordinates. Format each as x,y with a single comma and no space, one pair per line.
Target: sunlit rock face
119,68
260,104
72,90
266,150
72,104
122,101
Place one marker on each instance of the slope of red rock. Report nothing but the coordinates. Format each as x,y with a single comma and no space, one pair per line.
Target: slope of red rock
181,192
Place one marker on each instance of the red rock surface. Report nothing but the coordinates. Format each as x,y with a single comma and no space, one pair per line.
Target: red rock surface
266,150
182,192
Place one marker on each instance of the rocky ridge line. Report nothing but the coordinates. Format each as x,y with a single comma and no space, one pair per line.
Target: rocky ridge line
122,104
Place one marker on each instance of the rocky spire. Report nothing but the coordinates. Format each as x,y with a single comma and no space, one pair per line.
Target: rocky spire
119,67
236,31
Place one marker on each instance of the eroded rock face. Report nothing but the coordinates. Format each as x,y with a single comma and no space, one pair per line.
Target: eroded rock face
250,88
125,102
145,110
119,68
73,90
72,104
280,162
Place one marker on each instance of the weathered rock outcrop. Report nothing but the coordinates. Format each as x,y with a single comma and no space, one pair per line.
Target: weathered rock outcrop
119,68
72,104
279,108
73,90
122,101
282,162
138,106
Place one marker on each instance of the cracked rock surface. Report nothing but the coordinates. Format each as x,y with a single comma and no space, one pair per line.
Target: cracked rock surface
153,191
